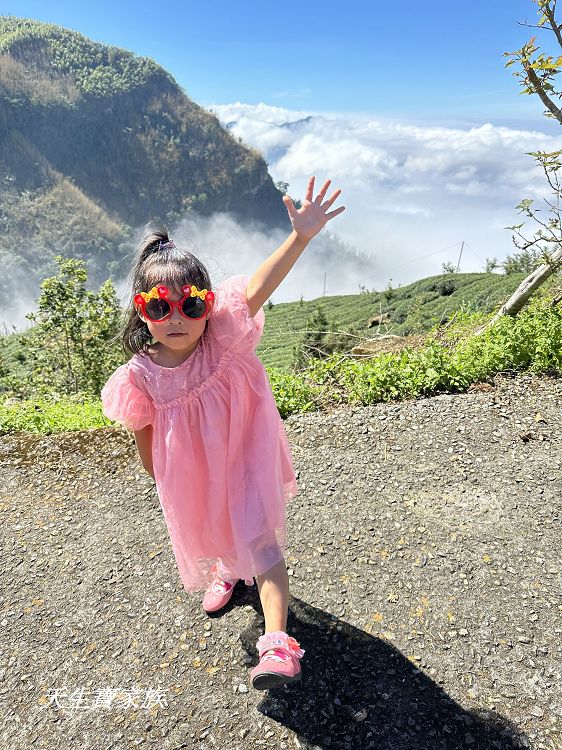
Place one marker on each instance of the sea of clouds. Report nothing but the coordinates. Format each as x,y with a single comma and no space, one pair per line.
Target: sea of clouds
413,192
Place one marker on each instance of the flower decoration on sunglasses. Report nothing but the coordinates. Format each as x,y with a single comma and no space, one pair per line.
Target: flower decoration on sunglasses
147,295
161,292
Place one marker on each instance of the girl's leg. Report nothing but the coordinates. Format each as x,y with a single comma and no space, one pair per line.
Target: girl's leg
273,587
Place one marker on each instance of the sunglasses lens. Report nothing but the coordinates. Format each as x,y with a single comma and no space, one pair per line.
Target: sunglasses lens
193,307
156,309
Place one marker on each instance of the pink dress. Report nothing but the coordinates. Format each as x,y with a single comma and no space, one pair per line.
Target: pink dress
221,458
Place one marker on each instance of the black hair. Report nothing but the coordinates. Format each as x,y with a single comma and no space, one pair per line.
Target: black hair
153,265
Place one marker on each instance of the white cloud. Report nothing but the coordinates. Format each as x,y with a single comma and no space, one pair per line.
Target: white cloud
228,247
410,190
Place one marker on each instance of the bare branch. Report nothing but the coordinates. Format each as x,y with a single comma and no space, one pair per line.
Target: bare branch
344,333
527,243
554,208
548,229
556,188
533,26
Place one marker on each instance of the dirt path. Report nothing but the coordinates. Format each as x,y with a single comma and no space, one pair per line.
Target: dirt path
424,557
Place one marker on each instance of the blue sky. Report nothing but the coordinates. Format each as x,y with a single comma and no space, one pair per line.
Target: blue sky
437,60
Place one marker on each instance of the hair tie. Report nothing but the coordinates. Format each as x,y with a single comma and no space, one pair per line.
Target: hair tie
162,245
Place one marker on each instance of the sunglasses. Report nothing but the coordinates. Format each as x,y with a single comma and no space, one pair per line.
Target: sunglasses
157,307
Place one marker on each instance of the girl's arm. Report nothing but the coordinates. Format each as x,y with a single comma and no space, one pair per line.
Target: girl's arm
307,222
272,271
143,439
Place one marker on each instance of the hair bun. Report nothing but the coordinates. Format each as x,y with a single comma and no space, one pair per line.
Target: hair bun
162,245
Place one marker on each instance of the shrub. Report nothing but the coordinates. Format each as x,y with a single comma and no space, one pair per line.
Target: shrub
71,344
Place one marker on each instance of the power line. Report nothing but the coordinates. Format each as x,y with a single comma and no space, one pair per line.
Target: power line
460,256
423,257
474,253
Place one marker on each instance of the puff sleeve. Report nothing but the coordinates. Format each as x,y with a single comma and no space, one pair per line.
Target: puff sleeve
124,402
231,323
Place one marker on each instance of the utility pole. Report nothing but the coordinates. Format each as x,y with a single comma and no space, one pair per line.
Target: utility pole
460,256
324,294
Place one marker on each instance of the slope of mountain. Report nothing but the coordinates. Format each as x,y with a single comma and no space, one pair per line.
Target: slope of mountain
95,140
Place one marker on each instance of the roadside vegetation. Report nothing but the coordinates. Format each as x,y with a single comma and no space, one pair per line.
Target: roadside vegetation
52,374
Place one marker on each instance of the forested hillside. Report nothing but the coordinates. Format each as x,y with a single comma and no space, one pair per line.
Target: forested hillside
94,141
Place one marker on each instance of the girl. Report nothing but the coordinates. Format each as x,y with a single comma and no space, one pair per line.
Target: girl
206,425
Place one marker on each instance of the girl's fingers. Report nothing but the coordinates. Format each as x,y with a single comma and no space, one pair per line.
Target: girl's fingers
310,190
335,213
331,199
290,206
322,193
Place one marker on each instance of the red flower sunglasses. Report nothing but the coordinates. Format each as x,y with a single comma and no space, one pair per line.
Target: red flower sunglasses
157,307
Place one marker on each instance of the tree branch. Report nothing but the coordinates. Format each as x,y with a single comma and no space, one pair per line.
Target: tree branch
548,229
525,289
549,13
533,26
548,103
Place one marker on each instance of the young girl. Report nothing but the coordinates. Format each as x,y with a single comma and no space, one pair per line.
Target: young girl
206,425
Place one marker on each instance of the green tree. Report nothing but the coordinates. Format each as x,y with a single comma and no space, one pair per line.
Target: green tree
323,337
524,261
389,291
311,344
71,347
491,265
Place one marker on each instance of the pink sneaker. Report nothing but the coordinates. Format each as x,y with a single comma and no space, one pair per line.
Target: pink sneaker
279,661
219,592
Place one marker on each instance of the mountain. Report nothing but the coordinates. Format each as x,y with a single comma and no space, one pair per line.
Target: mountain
95,141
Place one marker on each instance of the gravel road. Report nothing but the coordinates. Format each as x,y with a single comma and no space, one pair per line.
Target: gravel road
424,554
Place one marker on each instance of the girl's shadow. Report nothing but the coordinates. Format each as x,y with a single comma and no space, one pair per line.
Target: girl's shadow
359,692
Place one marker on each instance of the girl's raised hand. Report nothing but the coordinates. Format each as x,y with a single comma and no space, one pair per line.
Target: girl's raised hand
311,217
